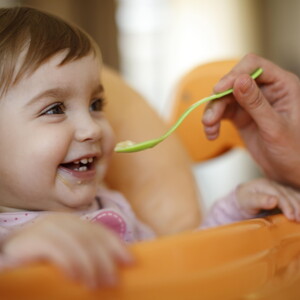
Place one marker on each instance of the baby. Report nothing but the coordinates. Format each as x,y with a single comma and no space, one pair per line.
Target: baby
55,148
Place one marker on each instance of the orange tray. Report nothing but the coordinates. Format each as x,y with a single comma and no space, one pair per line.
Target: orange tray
254,259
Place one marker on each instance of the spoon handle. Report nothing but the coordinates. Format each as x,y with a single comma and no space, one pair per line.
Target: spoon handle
129,146
254,75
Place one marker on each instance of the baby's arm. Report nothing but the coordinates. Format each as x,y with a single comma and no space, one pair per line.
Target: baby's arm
250,198
84,251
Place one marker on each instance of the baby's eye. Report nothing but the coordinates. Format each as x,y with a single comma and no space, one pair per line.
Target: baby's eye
54,109
97,105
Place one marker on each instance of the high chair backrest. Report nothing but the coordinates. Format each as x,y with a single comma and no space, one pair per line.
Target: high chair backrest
193,86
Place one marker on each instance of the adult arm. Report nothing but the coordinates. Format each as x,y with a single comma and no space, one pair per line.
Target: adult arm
266,113
158,182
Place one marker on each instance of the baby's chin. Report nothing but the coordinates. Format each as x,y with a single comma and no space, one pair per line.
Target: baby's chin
79,197
78,204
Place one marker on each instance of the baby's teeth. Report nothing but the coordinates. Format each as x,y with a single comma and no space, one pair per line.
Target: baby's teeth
82,169
84,161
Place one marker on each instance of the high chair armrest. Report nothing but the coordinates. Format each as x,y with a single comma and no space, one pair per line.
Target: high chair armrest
255,257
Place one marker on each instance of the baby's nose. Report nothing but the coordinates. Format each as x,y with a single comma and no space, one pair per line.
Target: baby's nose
88,130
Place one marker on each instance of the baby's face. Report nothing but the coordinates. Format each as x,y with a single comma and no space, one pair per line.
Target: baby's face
55,140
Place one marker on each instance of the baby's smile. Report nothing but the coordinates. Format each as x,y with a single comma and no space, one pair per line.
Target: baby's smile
79,170
82,165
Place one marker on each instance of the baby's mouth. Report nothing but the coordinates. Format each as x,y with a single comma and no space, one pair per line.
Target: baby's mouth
82,165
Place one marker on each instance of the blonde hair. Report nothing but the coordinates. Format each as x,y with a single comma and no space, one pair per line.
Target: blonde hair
38,36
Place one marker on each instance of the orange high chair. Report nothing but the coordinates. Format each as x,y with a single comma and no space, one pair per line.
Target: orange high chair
254,259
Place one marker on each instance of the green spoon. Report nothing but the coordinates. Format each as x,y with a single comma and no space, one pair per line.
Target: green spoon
128,146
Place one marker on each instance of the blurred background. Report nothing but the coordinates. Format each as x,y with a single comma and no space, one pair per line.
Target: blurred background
152,43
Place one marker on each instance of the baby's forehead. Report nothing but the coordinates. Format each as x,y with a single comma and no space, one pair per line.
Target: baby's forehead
56,63
56,60
80,77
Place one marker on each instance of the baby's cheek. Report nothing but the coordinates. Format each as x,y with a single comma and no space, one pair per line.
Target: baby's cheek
52,149
109,139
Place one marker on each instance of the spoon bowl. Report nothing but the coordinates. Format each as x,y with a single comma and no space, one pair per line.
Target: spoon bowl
129,146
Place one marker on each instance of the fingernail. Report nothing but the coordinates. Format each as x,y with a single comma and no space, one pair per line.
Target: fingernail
212,137
245,84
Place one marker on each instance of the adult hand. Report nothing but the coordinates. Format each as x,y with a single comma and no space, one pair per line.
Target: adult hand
266,113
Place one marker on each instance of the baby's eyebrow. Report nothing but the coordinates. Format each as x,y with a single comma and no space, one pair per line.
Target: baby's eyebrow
59,93
99,89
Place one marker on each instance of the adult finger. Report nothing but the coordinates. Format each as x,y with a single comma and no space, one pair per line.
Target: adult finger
249,96
213,114
248,64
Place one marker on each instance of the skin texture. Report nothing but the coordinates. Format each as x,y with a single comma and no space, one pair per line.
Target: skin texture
263,193
158,182
58,120
266,113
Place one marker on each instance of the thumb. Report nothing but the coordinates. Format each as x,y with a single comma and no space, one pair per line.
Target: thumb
250,97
